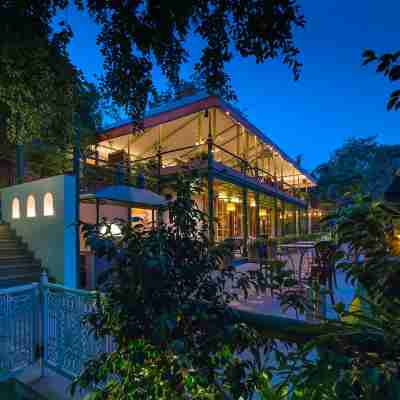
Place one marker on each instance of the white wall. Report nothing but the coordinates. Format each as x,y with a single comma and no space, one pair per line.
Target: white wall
51,238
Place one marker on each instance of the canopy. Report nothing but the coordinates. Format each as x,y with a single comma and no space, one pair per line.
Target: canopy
126,196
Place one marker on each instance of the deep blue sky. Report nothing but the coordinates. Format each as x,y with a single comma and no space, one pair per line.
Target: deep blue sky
336,98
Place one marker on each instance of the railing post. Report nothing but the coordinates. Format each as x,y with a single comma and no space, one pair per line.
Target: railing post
210,187
257,201
276,218
159,167
245,215
44,280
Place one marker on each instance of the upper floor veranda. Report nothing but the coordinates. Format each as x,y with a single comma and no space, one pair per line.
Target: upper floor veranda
202,132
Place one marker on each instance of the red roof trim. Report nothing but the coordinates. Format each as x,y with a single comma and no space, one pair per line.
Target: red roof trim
162,118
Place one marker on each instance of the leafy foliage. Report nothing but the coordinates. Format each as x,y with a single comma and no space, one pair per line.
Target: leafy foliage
36,77
359,357
360,164
166,302
387,64
136,36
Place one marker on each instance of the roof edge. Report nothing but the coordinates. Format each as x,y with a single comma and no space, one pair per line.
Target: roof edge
189,105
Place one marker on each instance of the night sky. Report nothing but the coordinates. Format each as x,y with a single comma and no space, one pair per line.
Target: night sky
336,98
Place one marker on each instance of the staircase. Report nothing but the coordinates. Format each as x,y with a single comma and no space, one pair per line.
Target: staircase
17,264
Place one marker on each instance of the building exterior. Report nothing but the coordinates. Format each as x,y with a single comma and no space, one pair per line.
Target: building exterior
252,187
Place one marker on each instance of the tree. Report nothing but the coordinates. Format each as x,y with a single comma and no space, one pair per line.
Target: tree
134,37
359,356
389,65
37,79
359,164
166,302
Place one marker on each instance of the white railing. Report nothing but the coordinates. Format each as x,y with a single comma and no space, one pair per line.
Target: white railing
19,323
45,321
69,341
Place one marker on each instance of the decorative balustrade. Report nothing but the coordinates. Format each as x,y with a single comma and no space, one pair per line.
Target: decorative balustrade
19,323
48,317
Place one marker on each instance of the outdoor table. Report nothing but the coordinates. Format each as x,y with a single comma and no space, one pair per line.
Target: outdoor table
303,249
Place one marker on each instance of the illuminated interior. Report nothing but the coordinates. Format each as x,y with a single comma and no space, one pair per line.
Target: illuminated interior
31,206
16,208
48,205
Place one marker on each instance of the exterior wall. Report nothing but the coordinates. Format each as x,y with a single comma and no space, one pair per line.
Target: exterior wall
92,266
51,238
7,173
109,212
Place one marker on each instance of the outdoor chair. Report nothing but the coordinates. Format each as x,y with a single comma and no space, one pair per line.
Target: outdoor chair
324,268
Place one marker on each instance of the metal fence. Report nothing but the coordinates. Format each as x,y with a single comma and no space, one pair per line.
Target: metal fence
69,342
45,321
19,323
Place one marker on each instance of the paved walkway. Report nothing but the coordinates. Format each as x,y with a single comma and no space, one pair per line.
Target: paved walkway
265,304
56,387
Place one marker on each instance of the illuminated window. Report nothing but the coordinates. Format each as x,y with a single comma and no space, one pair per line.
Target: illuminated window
31,207
48,205
16,208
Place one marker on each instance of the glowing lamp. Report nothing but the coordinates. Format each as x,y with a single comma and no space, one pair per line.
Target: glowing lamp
114,230
231,207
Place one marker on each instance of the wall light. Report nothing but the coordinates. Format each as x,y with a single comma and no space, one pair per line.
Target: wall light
16,208
31,206
110,230
48,205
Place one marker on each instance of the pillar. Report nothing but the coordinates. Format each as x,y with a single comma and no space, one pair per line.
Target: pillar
276,219
20,163
245,222
77,202
257,201
210,184
297,216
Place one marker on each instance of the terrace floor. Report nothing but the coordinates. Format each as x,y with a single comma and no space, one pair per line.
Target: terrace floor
269,305
54,386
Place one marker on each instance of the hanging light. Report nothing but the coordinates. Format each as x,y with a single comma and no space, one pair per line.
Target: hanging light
252,203
231,207
235,200
222,196
263,212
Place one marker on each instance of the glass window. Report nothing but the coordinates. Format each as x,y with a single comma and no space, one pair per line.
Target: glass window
48,205
16,208
31,206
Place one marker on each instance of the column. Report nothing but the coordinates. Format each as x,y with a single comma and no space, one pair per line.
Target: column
245,222
257,201
210,182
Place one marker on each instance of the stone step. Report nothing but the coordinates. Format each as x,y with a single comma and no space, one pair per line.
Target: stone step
17,280
24,269
15,259
6,236
15,253
12,244
17,264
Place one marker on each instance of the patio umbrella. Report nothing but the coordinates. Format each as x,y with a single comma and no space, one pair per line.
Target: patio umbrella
124,195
